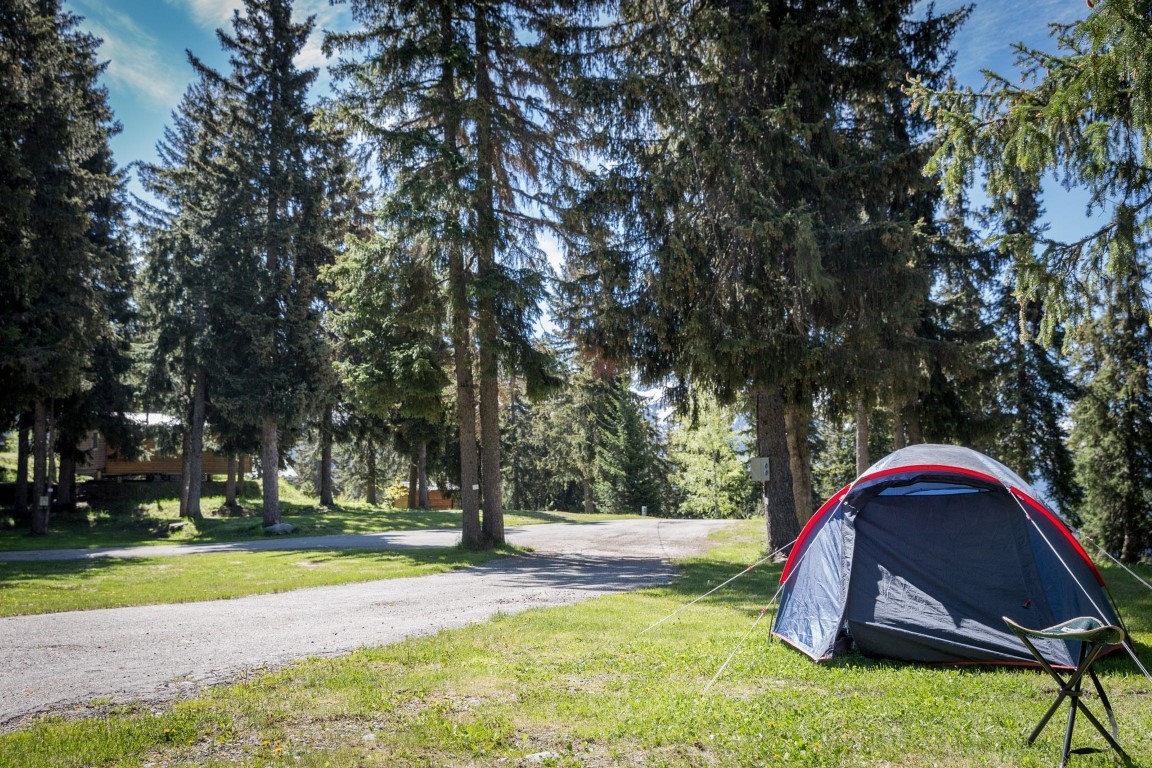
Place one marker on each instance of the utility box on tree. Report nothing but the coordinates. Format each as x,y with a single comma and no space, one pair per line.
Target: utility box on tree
758,469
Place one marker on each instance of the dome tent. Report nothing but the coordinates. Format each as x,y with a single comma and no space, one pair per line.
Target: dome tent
921,556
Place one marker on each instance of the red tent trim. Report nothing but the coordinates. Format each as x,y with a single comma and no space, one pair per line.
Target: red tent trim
829,505
1059,525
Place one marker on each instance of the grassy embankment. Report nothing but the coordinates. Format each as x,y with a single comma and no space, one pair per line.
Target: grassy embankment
129,514
582,684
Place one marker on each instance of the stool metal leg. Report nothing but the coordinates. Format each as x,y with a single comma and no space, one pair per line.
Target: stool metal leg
1067,751
1069,688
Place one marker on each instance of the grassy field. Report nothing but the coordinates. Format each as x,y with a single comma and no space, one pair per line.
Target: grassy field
74,585
142,513
582,685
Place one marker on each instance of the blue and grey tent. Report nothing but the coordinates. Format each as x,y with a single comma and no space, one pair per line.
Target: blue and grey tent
922,556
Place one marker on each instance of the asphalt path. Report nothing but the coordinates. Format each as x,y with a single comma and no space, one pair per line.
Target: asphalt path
79,659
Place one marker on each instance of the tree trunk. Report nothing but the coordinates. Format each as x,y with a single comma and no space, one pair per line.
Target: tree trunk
413,479
587,471
796,420
912,423
193,465
458,285
370,484
66,488
23,449
862,460
326,490
899,440
490,474
515,426
41,493
185,469
777,503
230,484
422,475
270,469
486,332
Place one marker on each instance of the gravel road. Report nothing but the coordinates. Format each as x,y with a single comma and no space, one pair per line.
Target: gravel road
67,660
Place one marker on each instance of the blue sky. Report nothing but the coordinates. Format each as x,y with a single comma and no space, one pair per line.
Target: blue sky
145,41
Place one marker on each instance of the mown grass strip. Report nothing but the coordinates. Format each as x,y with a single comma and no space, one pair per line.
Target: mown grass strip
145,513
579,684
76,585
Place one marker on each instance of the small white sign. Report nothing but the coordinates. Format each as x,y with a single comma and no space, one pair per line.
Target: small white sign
475,487
758,469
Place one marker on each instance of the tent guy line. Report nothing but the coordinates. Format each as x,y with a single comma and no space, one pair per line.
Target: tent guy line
1127,644
1087,594
1109,555
717,588
1128,647
739,645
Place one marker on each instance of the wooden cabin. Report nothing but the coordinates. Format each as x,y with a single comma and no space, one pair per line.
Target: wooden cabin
104,460
436,500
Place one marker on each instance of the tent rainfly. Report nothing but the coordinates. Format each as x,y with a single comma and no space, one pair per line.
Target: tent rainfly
921,556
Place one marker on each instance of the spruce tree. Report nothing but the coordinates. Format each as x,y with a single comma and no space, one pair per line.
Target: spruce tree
1112,422
424,166
270,351
1033,389
630,473
755,226
59,191
181,232
390,324
707,454
552,444
460,99
1084,112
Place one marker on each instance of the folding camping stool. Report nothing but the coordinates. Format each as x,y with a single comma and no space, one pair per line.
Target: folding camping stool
1095,637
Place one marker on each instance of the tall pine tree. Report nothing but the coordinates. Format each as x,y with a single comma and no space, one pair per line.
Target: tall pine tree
460,97
757,216
1112,422
270,350
181,229
59,260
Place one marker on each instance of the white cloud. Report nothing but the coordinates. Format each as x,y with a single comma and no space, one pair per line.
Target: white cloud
215,14
137,62
209,14
328,18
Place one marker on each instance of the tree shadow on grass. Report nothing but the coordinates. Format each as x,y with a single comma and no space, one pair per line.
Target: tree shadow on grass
136,513
63,574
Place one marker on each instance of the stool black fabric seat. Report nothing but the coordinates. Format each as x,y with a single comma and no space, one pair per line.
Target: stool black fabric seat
1095,637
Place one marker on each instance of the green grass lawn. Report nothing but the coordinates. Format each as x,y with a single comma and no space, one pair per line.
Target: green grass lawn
142,513
582,684
27,588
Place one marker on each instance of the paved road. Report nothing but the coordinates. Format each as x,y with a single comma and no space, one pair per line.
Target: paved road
156,652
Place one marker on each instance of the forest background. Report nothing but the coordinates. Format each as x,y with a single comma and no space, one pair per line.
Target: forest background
581,255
